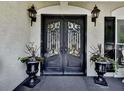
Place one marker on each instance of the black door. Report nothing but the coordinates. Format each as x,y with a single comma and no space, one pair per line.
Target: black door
63,44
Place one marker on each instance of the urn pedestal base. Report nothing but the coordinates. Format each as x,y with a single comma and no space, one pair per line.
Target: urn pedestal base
31,82
100,68
100,81
32,69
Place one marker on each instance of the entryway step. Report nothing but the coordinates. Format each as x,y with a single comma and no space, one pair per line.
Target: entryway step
65,73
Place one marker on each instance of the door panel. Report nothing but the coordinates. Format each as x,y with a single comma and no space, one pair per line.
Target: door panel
73,61
53,38
73,47
63,44
53,59
73,39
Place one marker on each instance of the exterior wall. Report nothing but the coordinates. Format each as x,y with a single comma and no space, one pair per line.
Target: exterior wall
95,35
14,33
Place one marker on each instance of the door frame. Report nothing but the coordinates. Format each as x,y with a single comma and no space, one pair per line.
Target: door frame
84,18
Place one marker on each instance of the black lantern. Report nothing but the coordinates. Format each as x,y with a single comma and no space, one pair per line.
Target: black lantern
95,13
32,14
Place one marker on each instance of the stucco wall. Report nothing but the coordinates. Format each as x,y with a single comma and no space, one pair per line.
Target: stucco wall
14,33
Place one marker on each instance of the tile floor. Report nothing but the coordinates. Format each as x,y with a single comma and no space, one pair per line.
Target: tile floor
74,83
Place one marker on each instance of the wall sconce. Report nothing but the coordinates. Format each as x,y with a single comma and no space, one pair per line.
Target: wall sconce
95,14
32,14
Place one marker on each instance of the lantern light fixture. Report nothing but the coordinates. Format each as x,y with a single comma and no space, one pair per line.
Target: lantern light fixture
95,14
32,14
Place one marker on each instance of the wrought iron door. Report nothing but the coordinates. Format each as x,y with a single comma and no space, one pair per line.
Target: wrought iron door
63,44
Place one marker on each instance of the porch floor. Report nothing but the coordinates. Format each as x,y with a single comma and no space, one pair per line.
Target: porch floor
74,83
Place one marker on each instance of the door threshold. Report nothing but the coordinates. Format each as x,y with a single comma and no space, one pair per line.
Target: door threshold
63,74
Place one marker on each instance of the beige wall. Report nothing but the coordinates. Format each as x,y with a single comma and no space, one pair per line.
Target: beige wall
42,4
14,33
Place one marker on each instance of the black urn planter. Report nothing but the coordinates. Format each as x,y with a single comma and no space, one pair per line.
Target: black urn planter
100,68
32,69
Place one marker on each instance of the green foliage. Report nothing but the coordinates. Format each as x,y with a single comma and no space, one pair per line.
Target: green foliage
122,37
27,59
40,59
24,59
31,50
121,34
97,56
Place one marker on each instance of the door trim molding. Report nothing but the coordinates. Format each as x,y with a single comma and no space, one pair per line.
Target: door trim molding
58,9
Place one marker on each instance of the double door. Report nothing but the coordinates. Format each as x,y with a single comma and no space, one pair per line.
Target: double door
63,44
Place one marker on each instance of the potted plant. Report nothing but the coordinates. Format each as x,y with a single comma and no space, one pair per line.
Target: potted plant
101,63
32,62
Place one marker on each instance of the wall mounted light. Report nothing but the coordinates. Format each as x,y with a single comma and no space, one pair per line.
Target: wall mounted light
32,14
95,14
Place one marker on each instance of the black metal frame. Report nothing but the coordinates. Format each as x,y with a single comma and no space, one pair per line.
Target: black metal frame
84,18
112,20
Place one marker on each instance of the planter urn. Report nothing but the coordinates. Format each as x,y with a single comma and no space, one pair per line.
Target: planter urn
100,68
32,69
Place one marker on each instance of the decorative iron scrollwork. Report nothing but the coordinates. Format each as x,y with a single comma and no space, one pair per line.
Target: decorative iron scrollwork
53,38
74,39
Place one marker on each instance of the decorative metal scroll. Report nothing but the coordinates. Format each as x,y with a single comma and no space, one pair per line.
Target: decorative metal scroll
53,38
74,39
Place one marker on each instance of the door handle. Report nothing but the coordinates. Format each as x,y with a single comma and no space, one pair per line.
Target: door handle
65,49
61,50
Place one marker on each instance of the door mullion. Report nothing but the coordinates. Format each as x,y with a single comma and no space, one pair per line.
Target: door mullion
61,44
65,42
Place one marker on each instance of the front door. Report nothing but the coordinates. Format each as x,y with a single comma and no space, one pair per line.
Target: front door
63,44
